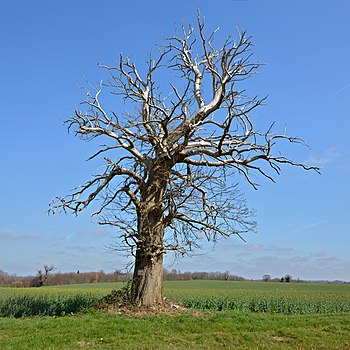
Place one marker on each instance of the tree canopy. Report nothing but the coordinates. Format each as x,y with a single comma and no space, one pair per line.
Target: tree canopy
172,159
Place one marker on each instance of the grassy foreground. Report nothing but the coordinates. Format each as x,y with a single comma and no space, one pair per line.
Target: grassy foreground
252,316
215,330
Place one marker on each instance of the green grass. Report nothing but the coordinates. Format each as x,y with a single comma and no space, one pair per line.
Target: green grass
294,298
236,327
50,301
289,298
217,330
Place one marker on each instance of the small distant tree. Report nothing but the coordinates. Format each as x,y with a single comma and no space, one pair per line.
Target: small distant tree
41,277
95,277
172,157
226,275
287,278
3,276
266,278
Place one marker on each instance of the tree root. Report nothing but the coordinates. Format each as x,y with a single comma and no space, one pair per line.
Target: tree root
119,302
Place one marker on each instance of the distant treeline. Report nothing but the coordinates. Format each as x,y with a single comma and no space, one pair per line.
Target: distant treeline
176,275
62,278
50,279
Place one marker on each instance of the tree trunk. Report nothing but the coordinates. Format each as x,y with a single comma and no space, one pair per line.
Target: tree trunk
147,284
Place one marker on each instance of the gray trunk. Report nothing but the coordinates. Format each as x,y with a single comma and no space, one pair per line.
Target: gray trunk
147,284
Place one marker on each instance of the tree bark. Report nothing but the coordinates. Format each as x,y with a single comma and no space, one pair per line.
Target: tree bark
147,284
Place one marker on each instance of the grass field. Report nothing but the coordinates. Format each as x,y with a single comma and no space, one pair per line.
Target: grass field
288,298
295,298
304,326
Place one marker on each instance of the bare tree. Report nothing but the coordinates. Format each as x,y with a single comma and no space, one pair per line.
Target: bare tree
41,277
266,278
171,159
287,278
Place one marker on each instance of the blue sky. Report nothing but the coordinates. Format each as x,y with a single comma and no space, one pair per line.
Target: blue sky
50,48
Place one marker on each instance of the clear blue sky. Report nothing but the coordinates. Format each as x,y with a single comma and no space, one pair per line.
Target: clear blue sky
49,49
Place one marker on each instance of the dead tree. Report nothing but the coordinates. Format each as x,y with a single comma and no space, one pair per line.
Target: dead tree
171,159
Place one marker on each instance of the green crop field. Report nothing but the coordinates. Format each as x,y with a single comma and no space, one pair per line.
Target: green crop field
225,315
295,298
50,301
288,298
